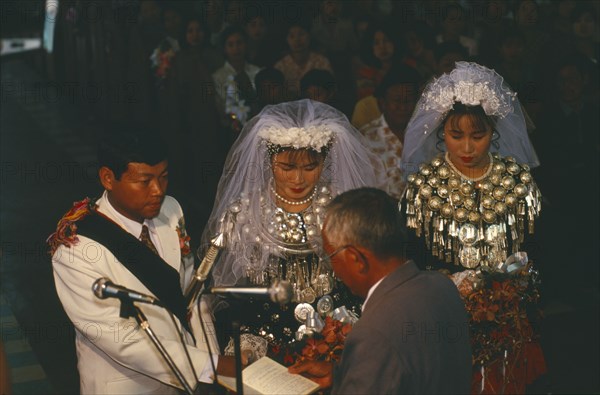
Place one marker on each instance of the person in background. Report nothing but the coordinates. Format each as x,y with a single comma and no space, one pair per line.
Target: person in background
197,148
380,50
318,85
446,55
300,59
396,95
453,25
269,88
257,31
419,41
234,82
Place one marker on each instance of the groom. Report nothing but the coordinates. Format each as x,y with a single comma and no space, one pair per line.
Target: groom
134,235
412,337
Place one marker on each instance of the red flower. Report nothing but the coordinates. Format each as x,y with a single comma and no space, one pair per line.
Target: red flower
184,241
327,345
288,359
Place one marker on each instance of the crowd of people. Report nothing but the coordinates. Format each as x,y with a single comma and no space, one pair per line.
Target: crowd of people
202,69
290,129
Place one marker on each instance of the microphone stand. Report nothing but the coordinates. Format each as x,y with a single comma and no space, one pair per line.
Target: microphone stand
128,309
239,384
237,350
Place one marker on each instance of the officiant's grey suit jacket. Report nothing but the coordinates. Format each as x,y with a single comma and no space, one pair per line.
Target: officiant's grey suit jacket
412,338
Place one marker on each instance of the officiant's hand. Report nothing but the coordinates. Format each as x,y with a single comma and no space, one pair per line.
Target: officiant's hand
318,371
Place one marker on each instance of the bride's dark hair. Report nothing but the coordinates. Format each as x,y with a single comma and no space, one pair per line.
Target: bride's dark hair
478,117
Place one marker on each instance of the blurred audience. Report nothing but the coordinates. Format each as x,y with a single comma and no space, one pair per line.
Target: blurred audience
453,26
300,58
397,96
318,85
270,88
234,82
446,55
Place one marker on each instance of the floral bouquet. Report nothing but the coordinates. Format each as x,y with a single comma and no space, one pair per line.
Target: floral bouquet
326,345
235,106
501,307
161,60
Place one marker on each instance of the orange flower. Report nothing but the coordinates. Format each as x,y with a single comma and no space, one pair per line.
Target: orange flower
315,348
327,345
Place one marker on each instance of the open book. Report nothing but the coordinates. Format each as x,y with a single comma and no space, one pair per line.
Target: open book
266,376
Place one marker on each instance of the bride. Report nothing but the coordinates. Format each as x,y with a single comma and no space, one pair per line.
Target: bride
472,198
286,165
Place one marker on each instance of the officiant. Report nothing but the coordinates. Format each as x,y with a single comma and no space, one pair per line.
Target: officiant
413,334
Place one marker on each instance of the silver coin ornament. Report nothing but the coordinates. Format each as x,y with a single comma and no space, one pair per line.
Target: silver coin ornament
325,305
467,234
469,257
520,190
425,170
473,222
309,295
302,311
525,177
443,191
425,191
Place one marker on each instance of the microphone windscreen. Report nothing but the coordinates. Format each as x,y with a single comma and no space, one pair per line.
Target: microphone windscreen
98,287
282,292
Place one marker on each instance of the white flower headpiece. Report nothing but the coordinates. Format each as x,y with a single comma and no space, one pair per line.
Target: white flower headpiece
472,85
312,137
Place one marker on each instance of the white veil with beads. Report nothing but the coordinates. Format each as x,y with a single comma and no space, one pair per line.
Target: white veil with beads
471,84
247,176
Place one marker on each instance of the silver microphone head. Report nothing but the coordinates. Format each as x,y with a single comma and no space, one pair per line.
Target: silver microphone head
99,286
281,291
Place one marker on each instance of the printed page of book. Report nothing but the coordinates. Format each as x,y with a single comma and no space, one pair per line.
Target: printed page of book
267,377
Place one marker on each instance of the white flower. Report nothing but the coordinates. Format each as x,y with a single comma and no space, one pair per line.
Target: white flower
472,85
315,138
233,104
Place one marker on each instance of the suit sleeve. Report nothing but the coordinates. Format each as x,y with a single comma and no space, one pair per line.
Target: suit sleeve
369,365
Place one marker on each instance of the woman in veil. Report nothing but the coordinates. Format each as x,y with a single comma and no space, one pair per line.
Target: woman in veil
286,165
471,197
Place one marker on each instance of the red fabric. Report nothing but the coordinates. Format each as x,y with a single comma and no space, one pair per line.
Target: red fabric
521,370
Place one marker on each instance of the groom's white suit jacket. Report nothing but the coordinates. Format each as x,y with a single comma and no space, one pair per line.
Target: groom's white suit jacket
115,356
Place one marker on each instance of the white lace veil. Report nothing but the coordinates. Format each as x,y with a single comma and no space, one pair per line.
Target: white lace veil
247,176
470,84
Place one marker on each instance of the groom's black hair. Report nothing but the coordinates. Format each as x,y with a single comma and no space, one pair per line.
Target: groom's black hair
130,142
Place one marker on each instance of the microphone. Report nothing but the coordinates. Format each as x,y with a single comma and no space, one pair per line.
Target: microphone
104,288
195,286
279,292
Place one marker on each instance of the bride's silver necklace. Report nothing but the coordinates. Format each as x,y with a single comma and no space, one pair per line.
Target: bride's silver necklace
474,179
299,203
